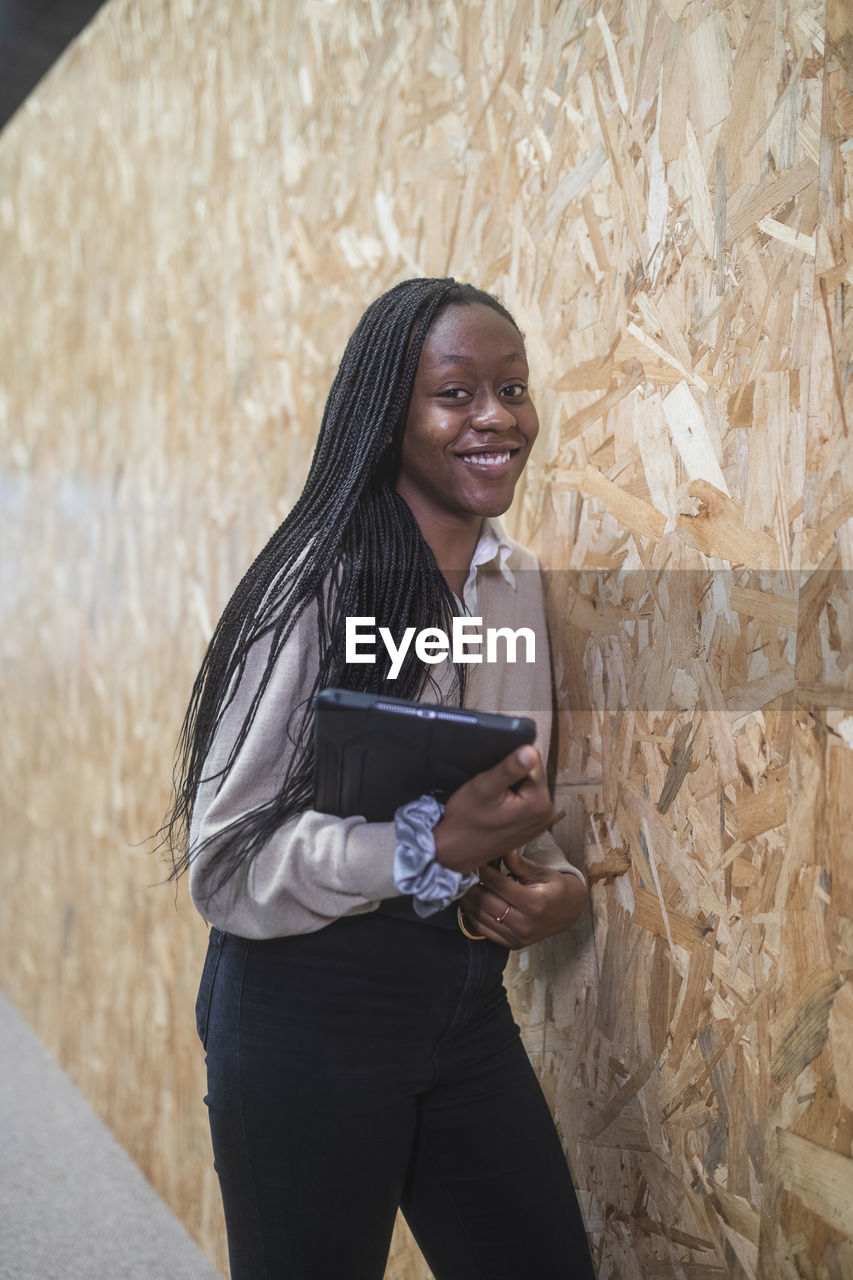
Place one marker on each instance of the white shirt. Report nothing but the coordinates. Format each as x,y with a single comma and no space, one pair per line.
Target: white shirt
316,867
492,545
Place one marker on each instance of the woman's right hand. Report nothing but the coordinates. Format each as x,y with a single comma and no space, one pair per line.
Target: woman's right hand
494,812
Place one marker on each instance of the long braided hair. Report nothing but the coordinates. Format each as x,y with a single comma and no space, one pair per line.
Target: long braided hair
351,544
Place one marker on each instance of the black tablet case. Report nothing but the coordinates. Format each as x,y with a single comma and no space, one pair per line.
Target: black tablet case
374,753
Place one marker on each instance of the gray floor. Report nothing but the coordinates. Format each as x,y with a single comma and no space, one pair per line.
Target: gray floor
72,1202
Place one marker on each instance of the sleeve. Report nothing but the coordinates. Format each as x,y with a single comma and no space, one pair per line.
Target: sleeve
315,868
544,849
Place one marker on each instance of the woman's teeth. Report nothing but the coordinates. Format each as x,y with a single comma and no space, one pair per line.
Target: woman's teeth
486,460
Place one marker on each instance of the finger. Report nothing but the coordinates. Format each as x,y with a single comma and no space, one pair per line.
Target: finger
499,885
523,763
477,924
490,926
524,868
504,887
491,877
486,903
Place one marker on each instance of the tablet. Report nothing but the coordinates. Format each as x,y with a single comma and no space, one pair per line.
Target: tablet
374,753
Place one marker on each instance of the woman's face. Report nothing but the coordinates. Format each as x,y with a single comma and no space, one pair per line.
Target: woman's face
471,422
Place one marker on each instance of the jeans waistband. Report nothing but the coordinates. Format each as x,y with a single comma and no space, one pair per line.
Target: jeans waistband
403,909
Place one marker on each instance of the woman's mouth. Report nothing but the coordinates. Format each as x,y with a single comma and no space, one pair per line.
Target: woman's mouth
487,460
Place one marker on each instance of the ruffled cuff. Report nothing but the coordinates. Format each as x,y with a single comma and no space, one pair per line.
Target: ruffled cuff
416,871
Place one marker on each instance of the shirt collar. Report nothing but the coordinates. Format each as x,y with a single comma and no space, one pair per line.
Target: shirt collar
493,546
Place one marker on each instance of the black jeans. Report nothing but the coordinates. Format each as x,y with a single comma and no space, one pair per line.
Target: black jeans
372,1065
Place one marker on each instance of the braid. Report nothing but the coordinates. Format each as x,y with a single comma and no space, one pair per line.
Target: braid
351,545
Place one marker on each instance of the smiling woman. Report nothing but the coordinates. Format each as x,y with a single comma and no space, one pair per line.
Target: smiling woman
470,427
361,1052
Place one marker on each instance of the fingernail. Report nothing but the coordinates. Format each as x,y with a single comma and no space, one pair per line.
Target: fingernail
527,757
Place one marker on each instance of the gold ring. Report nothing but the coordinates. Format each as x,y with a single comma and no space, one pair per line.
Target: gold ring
500,919
460,920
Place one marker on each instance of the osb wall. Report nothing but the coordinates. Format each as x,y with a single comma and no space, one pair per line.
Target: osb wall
194,207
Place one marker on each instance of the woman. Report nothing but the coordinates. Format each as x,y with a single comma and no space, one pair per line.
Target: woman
361,1054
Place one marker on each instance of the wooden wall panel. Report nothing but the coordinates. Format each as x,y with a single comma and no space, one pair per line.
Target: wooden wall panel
194,207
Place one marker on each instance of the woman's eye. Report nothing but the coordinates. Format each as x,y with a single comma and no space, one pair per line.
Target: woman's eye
515,390
454,393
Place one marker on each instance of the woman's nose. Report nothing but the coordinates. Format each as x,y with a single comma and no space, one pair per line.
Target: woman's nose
492,413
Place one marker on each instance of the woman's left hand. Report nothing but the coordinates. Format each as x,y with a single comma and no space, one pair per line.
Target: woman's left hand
537,903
